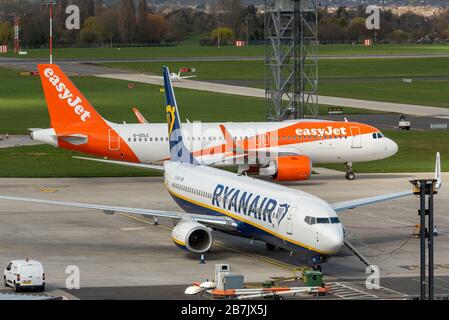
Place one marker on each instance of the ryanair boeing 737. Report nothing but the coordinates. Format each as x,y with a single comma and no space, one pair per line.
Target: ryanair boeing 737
214,199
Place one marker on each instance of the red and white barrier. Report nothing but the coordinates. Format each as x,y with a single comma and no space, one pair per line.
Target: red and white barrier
4,48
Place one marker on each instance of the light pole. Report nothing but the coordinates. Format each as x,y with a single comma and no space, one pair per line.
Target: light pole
50,3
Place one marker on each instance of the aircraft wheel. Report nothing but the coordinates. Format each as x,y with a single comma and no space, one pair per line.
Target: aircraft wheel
350,176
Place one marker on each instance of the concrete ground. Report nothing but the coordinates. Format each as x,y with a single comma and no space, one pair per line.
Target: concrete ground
128,253
389,120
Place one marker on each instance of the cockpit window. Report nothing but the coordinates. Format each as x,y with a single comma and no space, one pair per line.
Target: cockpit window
335,220
312,220
322,220
377,135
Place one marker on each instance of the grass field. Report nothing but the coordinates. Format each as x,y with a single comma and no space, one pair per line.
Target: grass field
422,92
416,153
370,79
22,103
328,69
46,161
199,51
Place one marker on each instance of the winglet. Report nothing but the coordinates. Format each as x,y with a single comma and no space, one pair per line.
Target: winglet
178,150
228,138
438,171
139,116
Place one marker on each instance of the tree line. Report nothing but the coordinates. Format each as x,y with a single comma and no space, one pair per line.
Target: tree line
139,22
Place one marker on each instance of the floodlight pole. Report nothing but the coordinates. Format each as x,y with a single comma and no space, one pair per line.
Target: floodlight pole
425,188
422,236
430,243
51,32
50,4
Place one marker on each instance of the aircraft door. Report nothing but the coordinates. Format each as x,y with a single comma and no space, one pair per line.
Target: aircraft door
290,219
356,137
114,140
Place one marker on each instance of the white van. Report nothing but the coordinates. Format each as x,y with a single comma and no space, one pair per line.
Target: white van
21,274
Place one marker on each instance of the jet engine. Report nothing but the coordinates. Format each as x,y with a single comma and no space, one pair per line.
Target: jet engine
192,236
288,168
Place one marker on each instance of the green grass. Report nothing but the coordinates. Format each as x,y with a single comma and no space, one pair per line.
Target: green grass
328,69
422,92
47,161
199,51
384,83
416,153
22,103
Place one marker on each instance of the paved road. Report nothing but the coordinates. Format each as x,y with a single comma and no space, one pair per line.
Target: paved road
389,120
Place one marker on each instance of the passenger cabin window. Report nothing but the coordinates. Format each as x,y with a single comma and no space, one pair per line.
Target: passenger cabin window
9,266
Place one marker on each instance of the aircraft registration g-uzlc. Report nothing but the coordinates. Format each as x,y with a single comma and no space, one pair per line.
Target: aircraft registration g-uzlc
283,150
215,199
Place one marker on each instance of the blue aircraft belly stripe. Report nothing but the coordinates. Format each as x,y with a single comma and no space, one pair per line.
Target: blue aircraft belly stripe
244,228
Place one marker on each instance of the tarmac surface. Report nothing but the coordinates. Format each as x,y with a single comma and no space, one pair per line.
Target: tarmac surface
390,120
124,256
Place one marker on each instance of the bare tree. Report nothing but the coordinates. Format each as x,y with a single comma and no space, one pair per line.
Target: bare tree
127,23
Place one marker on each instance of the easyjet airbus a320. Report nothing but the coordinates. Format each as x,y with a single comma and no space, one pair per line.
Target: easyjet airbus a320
283,150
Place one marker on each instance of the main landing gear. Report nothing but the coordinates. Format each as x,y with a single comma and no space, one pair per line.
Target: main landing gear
349,173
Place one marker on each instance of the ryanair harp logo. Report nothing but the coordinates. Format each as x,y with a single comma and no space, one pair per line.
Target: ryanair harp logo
170,118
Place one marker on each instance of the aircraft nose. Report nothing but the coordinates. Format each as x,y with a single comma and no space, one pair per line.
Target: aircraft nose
333,238
391,147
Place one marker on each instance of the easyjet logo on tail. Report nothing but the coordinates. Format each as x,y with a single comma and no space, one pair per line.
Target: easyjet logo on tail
66,95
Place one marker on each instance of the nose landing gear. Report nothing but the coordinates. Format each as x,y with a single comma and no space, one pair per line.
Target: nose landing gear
349,173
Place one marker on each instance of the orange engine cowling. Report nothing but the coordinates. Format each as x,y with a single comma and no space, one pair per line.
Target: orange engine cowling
293,168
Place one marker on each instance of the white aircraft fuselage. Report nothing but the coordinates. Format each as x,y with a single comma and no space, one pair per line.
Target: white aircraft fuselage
265,211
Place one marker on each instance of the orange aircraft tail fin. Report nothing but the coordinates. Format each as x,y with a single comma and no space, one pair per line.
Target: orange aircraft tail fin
67,106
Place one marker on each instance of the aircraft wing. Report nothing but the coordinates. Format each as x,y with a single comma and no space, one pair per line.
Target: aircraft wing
213,221
277,151
351,204
123,163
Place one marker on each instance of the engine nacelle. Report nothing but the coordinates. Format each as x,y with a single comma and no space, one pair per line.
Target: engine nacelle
192,236
289,168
